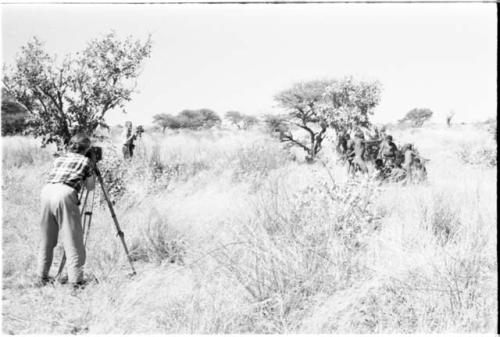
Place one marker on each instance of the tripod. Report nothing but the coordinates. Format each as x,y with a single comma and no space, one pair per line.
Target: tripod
87,220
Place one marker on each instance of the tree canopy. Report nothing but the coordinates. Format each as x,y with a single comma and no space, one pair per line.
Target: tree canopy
197,119
316,105
166,121
188,119
417,117
241,121
14,116
74,95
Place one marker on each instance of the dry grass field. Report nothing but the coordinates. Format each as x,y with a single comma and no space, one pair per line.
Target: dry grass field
233,233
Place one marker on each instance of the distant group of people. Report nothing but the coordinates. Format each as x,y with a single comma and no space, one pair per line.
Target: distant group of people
389,161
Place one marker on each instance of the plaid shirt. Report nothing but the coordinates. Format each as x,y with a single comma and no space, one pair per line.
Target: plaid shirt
70,169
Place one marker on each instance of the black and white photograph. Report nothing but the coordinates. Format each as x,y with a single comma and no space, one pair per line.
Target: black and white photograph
208,167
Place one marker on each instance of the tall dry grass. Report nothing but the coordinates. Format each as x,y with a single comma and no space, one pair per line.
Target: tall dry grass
229,234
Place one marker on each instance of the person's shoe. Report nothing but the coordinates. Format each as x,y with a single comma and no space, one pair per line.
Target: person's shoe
79,285
63,279
43,281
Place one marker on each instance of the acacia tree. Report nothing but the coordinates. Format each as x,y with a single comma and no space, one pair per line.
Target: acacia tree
74,95
166,121
197,119
348,103
301,103
242,121
235,117
417,117
249,121
313,106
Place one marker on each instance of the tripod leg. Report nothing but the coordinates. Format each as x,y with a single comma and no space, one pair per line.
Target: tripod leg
88,215
115,220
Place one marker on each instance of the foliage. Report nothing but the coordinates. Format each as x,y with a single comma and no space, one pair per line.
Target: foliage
276,124
234,117
290,250
417,117
14,116
74,95
197,119
313,106
188,119
478,154
249,121
241,121
165,121
348,103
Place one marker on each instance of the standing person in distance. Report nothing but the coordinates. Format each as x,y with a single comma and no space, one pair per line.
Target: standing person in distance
128,141
60,212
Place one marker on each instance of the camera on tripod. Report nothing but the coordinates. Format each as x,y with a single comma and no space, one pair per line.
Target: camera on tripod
94,153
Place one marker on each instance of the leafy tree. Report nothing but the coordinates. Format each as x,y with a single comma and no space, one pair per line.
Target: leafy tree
417,117
249,121
14,116
301,103
348,103
74,95
166,121
277,124
196,119
313,106
235,117
242,121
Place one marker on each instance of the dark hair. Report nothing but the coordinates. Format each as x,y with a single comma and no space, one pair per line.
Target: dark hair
79,143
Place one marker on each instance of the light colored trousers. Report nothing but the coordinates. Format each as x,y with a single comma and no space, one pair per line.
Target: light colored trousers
60,212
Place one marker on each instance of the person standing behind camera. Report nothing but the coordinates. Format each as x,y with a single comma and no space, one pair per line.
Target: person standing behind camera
128,141
60,212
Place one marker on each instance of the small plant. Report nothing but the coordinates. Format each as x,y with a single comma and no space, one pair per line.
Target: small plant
478,154
158,242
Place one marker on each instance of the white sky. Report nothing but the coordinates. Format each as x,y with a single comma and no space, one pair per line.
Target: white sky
237,57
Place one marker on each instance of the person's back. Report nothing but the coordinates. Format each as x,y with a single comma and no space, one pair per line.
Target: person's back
388,151
343,140
69,169
359,152
359,148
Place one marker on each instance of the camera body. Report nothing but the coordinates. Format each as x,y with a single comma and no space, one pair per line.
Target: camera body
94,153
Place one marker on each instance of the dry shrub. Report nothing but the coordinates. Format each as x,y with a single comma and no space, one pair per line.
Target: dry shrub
479,154
297,246
158,242
20,151
257,160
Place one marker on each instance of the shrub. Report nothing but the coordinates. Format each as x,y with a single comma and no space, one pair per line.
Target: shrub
158,242
20,151
478,154
298,246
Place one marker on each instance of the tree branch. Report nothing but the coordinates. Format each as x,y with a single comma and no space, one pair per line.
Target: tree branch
291,139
